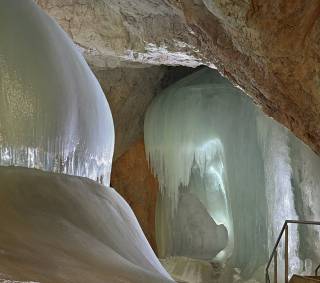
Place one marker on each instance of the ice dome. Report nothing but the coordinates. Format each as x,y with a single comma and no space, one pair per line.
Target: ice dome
53,113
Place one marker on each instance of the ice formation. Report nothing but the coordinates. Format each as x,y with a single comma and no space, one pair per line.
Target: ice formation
53,113
55,117
204,137
59,228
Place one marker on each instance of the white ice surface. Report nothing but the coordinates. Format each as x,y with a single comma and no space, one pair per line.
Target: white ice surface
59,228
204,136
53,112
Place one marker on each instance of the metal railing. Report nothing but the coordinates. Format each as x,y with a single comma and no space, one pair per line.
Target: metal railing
274,254
316,271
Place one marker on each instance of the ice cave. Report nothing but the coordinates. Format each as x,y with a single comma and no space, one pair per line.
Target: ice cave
211,147
159,141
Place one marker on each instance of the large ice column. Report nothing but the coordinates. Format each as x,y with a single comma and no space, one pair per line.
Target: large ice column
292,191
204,137
275,146
53,113
193,131
305,183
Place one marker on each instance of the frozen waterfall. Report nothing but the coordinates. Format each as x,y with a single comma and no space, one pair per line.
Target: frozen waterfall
53,113
206,139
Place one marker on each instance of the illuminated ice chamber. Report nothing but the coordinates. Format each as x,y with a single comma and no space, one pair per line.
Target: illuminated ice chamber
222,164
53,114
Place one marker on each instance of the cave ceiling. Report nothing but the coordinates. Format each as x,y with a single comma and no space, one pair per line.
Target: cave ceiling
268,48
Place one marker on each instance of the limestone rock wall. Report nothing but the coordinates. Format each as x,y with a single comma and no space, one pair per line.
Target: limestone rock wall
129,92
132,178
268,48
114,32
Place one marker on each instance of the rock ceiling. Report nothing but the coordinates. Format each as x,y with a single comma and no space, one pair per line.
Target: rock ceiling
268,48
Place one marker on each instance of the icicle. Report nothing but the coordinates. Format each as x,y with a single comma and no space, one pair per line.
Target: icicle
179,144
204,138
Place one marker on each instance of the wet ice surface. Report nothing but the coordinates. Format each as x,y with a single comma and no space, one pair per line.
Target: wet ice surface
59,228
206,138
53,113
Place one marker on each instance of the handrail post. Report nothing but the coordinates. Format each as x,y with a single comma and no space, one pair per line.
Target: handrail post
275,266
286,254
285,230
316,271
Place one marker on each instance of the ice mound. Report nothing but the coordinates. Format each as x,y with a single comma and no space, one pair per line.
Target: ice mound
54,115
194,222
59,228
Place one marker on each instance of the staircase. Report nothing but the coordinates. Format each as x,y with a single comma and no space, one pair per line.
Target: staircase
274,256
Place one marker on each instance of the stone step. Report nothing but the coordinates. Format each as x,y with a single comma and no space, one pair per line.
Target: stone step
304,279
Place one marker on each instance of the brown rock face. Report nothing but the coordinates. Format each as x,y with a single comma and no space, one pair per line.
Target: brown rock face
132,178
269,48
129,92
113,33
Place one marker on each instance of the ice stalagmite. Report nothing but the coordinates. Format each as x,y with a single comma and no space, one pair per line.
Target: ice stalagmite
208,143
53,113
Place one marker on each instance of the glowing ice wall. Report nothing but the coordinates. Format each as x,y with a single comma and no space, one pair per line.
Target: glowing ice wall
275,146
208,141
201,139
53,113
